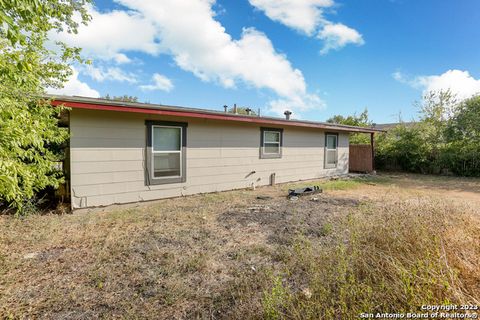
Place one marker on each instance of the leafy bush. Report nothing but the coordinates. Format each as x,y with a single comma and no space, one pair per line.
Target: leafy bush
407,148
445,140
462,151
30,138
29,149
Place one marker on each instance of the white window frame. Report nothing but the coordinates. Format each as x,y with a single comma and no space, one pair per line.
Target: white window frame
327,150
160,152
279,133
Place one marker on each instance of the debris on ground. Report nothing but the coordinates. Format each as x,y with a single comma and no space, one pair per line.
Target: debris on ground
259,208
307,293
304,191
31,255
264,197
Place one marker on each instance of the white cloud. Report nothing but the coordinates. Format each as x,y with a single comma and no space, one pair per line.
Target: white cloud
110,34
110,74
307,16
200,44
397,75
302,15
160,82
458,82
296,105
75,87
336,36
188,31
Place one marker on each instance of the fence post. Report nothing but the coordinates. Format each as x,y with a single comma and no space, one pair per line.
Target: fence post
372,143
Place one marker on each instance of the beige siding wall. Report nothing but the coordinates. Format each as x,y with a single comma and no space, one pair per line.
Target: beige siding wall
108,151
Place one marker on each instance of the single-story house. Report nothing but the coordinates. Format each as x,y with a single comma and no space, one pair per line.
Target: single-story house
123,152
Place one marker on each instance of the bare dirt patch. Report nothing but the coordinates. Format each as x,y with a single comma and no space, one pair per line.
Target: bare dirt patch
285,219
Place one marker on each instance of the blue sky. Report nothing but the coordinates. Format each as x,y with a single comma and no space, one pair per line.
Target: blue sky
315,57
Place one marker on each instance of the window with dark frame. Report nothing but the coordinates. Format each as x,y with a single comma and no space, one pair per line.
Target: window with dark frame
271,142
166,152
331,150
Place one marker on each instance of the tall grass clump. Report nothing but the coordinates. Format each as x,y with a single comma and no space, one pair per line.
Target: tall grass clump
388,257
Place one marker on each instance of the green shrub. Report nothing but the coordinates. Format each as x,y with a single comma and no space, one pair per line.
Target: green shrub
30,139
445,140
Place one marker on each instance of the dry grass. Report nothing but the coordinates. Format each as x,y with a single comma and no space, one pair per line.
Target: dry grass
366,245
394,257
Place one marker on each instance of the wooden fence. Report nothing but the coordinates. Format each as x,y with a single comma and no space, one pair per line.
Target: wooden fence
360,158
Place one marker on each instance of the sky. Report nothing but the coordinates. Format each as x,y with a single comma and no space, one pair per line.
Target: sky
316,58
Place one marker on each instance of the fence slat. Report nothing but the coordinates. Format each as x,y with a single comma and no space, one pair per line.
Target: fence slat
360,158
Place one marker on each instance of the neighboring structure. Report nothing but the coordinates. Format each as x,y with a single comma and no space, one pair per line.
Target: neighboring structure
128,152
390,126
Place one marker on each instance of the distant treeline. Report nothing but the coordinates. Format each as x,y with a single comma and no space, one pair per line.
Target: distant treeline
445,139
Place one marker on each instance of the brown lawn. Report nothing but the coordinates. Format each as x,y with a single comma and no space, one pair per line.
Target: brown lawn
385,243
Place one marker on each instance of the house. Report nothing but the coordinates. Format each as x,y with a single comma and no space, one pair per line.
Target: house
127,152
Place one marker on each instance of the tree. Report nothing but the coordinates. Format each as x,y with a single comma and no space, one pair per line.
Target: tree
445,139
435,110
359,121
30,137
406,147
464,125
354,120
462,151
437,107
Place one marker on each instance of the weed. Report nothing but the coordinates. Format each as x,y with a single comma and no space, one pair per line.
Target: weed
194,264
326,229
274,301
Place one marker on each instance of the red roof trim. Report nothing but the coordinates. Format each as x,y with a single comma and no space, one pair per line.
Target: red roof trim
189,114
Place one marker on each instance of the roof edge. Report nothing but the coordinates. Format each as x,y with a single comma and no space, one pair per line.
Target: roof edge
146,108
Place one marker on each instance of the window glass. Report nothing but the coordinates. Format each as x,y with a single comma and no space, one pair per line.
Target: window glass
271,136
272,148
166,139
331,157
271,143
166,164
331,142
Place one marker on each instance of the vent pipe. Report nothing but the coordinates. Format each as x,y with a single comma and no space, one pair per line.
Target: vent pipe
249,111
287,114
225,107
235,108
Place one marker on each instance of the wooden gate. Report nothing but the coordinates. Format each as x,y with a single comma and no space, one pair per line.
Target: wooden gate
360,158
